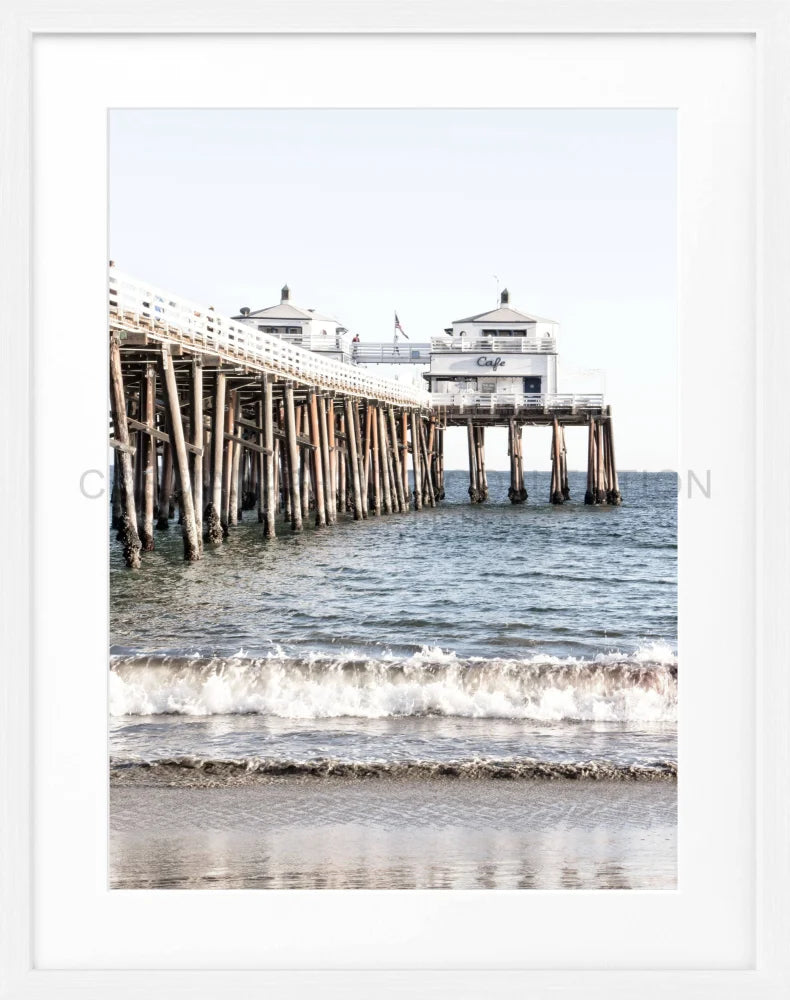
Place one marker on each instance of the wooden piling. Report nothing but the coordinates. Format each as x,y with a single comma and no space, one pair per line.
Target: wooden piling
234,451
129,538
165,486
277,477
318,465
615,497
397,471
375,457
513,493
600,465
198,442
416,464
214,533
269,485
293,458
326,459
438,459
136,406
383,449
589,495
178,443
471,440
404,456
429,491
337,469
367,475
480,451
227,462
564,486
342,470
285,470
359,458
116,494
305,460
352,429
148,462
556,496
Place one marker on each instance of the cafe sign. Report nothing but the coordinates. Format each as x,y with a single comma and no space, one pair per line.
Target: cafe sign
502,365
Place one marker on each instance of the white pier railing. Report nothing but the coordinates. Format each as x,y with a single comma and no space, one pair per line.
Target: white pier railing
402,353
545,402
135,306
501,345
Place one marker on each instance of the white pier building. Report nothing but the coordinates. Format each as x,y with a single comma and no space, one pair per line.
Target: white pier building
502,351
303,327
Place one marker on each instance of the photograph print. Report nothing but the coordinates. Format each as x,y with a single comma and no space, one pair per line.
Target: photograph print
393,525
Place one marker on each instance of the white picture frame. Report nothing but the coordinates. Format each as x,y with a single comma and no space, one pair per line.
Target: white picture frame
768,26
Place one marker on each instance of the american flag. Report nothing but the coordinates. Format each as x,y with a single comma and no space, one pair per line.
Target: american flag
399,328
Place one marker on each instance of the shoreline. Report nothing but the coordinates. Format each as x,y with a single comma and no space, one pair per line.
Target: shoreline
398,833
198,773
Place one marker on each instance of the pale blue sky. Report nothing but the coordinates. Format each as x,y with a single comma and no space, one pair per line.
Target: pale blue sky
364,212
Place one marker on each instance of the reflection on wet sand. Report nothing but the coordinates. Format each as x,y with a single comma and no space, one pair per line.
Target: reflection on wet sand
396,835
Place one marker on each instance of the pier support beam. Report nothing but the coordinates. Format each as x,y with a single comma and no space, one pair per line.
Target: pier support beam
212,516
436,446
123,457
305,461
352,408
178,444
564,486
165,487
318,465
293,459
384,454
375,458
231,497
471,441
116,495
556,496
600,465
353,458
330,504
482,478
516,493
416,464
614,497
396,454
429,495
198,441
227,463
269,485
337,466
589,495
404,457
148,460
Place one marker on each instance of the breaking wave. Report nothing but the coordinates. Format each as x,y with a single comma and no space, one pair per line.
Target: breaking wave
197,771
612,687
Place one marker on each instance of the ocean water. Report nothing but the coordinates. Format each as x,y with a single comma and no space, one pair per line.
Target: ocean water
492,641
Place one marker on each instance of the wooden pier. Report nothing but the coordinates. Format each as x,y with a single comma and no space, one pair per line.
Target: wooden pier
476,413
211,417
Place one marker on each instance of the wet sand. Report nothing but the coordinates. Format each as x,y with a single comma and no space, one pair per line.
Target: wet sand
339,833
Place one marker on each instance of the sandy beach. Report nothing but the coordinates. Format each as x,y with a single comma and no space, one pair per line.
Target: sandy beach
336,833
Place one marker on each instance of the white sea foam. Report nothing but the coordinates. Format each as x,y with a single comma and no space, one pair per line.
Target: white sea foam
613,687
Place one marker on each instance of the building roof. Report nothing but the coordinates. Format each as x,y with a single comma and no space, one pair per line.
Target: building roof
283,310
503,314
